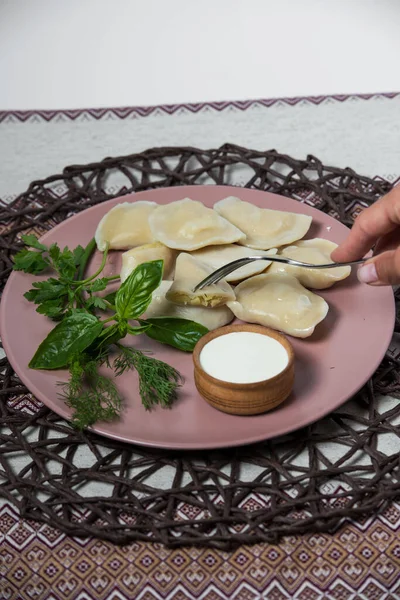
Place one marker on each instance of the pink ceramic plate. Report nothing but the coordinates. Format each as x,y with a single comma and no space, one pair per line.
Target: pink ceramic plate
330,366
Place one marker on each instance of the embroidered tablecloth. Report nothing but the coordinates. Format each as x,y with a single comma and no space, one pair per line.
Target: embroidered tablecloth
362,559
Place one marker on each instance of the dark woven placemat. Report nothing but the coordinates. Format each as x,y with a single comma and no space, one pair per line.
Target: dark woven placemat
342,467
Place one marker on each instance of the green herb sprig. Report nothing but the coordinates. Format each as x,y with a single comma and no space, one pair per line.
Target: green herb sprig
82,341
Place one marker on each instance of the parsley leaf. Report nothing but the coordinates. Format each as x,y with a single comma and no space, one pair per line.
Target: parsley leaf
30,261
31,241
65,264
54,309
98,285
46,290
95,302
78,253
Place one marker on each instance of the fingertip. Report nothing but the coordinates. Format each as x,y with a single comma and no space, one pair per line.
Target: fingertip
368,273
347,251
336,255
384,269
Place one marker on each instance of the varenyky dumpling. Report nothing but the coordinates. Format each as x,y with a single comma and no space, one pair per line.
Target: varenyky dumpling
189,271
316,251
126,225
157,251
264,228
218,256
189,225
209,317
279,301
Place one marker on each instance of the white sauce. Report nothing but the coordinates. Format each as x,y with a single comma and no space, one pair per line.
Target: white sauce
243,357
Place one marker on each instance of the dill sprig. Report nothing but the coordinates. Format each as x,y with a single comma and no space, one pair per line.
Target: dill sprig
93,396
158,381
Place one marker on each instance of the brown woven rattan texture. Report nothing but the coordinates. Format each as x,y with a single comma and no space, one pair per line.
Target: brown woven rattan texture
311,480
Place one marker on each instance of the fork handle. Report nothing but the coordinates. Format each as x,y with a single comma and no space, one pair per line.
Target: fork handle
241,262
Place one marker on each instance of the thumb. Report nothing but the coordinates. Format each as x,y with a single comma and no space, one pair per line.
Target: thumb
383,269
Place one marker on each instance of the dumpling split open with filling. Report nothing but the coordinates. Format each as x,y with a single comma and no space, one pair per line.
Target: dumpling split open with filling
264,228
279,301
188,225
126,225
209,317
189,271
316,251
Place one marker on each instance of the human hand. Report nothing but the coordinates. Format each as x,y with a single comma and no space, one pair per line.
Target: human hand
379,224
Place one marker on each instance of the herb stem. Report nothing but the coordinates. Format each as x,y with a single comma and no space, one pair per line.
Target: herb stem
109,319
85,258
110,306
99,270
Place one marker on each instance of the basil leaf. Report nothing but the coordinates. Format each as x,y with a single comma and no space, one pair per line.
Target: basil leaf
32,241
123,326
174,331
108,336
134,295
138,330
70,337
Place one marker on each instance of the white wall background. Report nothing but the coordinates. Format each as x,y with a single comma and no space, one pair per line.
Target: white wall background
93,53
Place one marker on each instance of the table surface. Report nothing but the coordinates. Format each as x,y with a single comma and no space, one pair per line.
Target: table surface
323,48
93,53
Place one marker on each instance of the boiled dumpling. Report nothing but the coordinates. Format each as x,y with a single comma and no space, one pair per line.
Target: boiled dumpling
125,226
279,301
218,256
189,225
209,317
148,252
264,228
317,252
189,271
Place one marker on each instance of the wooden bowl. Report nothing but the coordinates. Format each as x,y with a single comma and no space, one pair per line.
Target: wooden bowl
244,398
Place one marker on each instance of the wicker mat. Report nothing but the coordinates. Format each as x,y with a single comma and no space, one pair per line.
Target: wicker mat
221,499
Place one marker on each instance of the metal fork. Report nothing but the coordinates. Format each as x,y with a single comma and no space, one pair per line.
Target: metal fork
241,262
